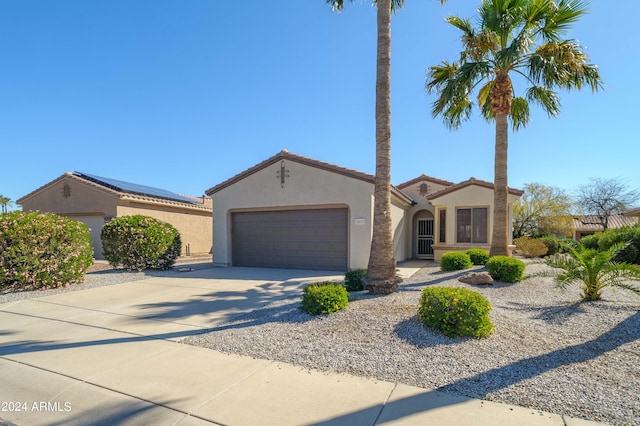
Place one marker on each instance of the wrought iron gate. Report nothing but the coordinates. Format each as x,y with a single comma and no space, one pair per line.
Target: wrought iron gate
425,239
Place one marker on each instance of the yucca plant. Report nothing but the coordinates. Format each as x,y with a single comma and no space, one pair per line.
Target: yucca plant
593,270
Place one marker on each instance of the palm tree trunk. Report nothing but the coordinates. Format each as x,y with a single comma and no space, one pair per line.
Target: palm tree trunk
499,240
381,272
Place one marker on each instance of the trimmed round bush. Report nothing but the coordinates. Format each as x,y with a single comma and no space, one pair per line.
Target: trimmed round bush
42,250
454,261
140,242
531,247
478,256
505,269
324,298
353,279
455,311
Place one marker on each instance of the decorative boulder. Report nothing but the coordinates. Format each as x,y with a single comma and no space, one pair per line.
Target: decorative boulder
476,278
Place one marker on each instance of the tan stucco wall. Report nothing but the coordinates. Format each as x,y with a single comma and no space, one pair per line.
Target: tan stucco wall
195,228
401,228
82,199
470,196
93,206
413,192
305,187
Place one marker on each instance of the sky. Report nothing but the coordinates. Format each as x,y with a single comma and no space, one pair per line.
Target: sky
183,95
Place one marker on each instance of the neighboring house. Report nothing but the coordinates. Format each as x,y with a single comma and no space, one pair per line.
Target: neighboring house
95,200
633,213
291,211
588,225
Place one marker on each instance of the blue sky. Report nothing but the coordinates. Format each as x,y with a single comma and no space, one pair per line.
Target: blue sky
182,95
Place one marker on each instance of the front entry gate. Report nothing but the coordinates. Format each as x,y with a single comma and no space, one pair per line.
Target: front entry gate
425,239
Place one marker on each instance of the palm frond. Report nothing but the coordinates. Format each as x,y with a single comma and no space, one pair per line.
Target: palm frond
338,5
520,114
504,17
563,65
545,98
560,16
439,75
463,24
483,95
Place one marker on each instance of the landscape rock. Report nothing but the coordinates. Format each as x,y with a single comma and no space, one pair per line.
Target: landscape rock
476,278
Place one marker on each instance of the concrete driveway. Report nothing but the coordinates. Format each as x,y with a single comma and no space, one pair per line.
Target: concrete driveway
110,355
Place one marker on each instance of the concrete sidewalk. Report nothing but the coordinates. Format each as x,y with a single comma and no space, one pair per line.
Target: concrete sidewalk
111,355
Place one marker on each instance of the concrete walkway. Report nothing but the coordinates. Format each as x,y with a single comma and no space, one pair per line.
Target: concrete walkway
111,355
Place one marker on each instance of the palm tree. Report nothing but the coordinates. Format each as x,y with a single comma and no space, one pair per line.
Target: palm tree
381,271
593,270
5,202
521,37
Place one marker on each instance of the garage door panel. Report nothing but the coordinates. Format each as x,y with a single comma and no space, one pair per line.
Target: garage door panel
306,239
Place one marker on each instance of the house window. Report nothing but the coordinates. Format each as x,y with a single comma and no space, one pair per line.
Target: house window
471,225
442,219
424,189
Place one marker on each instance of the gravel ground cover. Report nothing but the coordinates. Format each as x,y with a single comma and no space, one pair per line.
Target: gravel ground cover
548,352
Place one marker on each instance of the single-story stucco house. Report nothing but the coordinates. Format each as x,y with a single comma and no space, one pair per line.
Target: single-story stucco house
95,200
291,211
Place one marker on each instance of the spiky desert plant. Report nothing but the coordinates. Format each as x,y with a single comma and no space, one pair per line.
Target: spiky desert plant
592,270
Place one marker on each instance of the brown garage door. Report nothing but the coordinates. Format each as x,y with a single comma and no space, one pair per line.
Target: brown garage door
303,239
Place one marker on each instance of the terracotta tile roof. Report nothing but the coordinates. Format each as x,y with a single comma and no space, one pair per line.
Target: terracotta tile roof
286,155
592,223
421,178
469,182
122,195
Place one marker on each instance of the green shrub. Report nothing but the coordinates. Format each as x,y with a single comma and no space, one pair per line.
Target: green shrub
455,311
324,298
478,256
42,250
553,244
611,237
353,279
505,269
590,242
454,261
530,247
140,242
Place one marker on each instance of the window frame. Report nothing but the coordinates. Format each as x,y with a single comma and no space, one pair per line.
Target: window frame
442,225
472,225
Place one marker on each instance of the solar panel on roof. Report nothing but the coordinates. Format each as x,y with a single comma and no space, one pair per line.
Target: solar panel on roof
134,188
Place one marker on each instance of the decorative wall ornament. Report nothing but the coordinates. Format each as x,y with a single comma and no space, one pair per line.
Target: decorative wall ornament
424,189
66,190
282,174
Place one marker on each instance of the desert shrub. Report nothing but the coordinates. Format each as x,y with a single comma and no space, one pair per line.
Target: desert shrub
454,261
42,250
353,279
324,298
140,242
455,311
530,247
612,237
478,256
553,245
591,241
505,269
